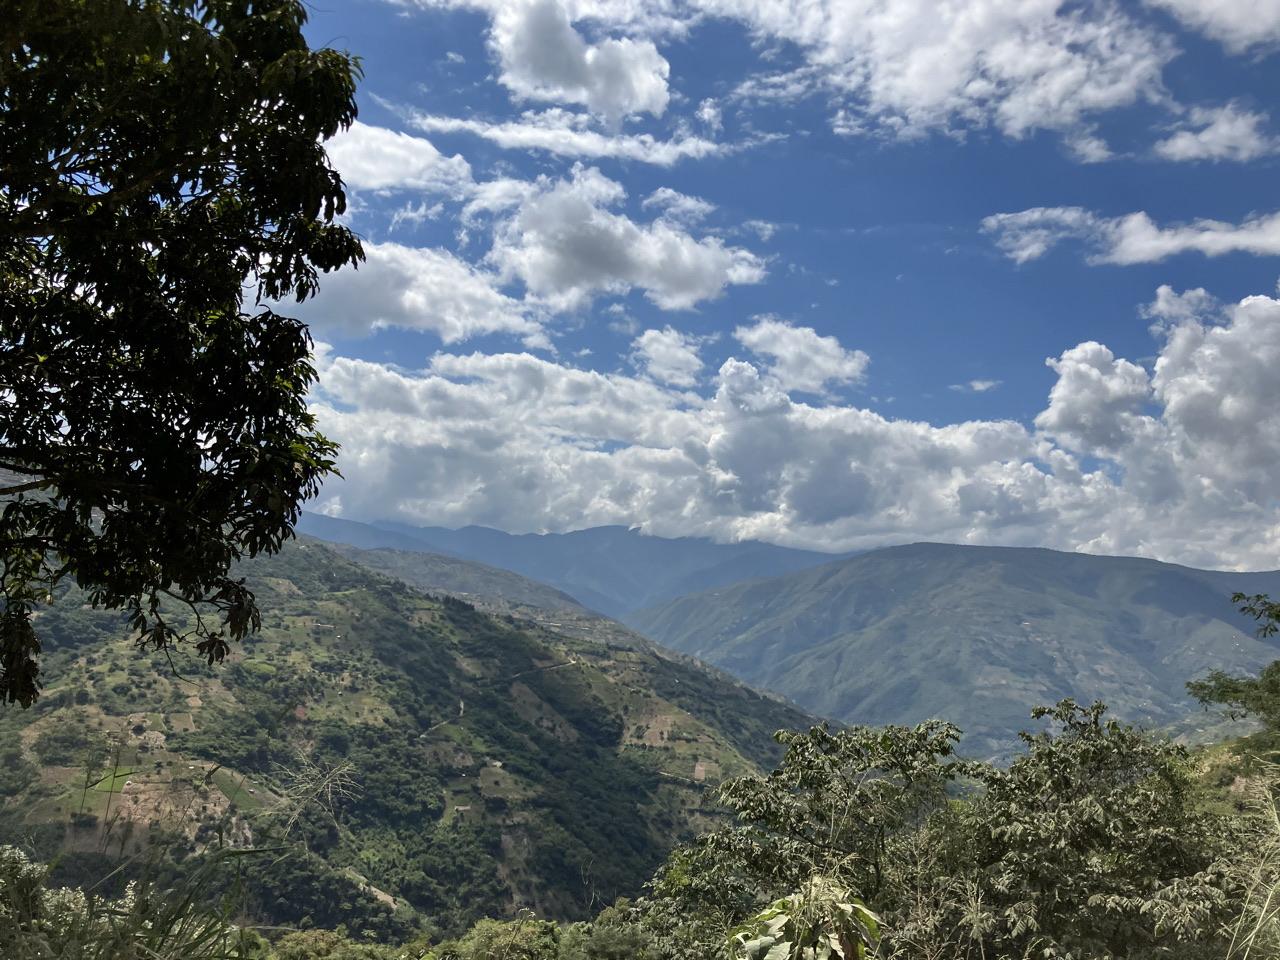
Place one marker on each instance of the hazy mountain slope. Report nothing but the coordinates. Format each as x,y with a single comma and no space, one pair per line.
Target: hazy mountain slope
977,635
494,763
337,530
609,569
464,579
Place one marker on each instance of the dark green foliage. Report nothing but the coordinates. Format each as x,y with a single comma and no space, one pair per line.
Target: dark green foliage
615,934
521,939
252,737
1247,696
831,809
157,157
16,772
304,889
67,744
1087,845
1243,696
451,872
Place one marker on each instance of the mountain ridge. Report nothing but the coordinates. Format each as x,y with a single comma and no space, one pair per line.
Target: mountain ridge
609,569
494,763
976,635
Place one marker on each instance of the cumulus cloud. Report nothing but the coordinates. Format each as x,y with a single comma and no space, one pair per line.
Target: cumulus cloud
1222,133
902,68
374,158
668,355
1097,400
567,246
908,67
543,57
1134,238
569,134
417,289
1237,24
677,206
802,360
1185,450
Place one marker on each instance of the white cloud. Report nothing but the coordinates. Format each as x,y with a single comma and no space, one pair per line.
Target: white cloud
414,216
1097,400
569,135
1030,234
567,247
543,57
678,207
669,356
1134,238
802,360
417,289
374,158
1187,452
763,229
1224,133
710,116
908,67
898,67
1237,24
975,386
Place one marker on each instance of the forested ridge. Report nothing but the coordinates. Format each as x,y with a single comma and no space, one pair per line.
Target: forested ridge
457,764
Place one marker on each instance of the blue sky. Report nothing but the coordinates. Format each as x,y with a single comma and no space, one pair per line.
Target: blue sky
831,274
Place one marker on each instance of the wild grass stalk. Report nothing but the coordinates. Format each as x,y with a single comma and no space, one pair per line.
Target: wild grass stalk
1255,934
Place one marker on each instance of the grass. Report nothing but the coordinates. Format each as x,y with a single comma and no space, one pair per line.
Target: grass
236,789
114,782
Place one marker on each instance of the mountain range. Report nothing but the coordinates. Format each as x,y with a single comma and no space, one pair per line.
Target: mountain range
975,635
609,569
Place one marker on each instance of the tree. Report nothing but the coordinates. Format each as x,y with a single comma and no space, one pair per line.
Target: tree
831,813
1089,844
162,178
1247,696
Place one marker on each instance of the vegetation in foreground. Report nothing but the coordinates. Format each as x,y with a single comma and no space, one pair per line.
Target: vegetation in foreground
1096,842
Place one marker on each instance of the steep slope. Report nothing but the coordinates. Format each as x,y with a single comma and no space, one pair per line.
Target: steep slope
609,569
463,579
484,763
977,635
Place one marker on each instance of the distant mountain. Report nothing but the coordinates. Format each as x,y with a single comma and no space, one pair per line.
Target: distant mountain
492,763
609,569
976,635
465,579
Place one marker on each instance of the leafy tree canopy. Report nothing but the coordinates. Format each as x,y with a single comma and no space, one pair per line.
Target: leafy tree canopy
1086,845
162,176
1247,696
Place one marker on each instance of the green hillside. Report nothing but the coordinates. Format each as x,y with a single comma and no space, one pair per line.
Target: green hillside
507,594
435,760
464,579
976,635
